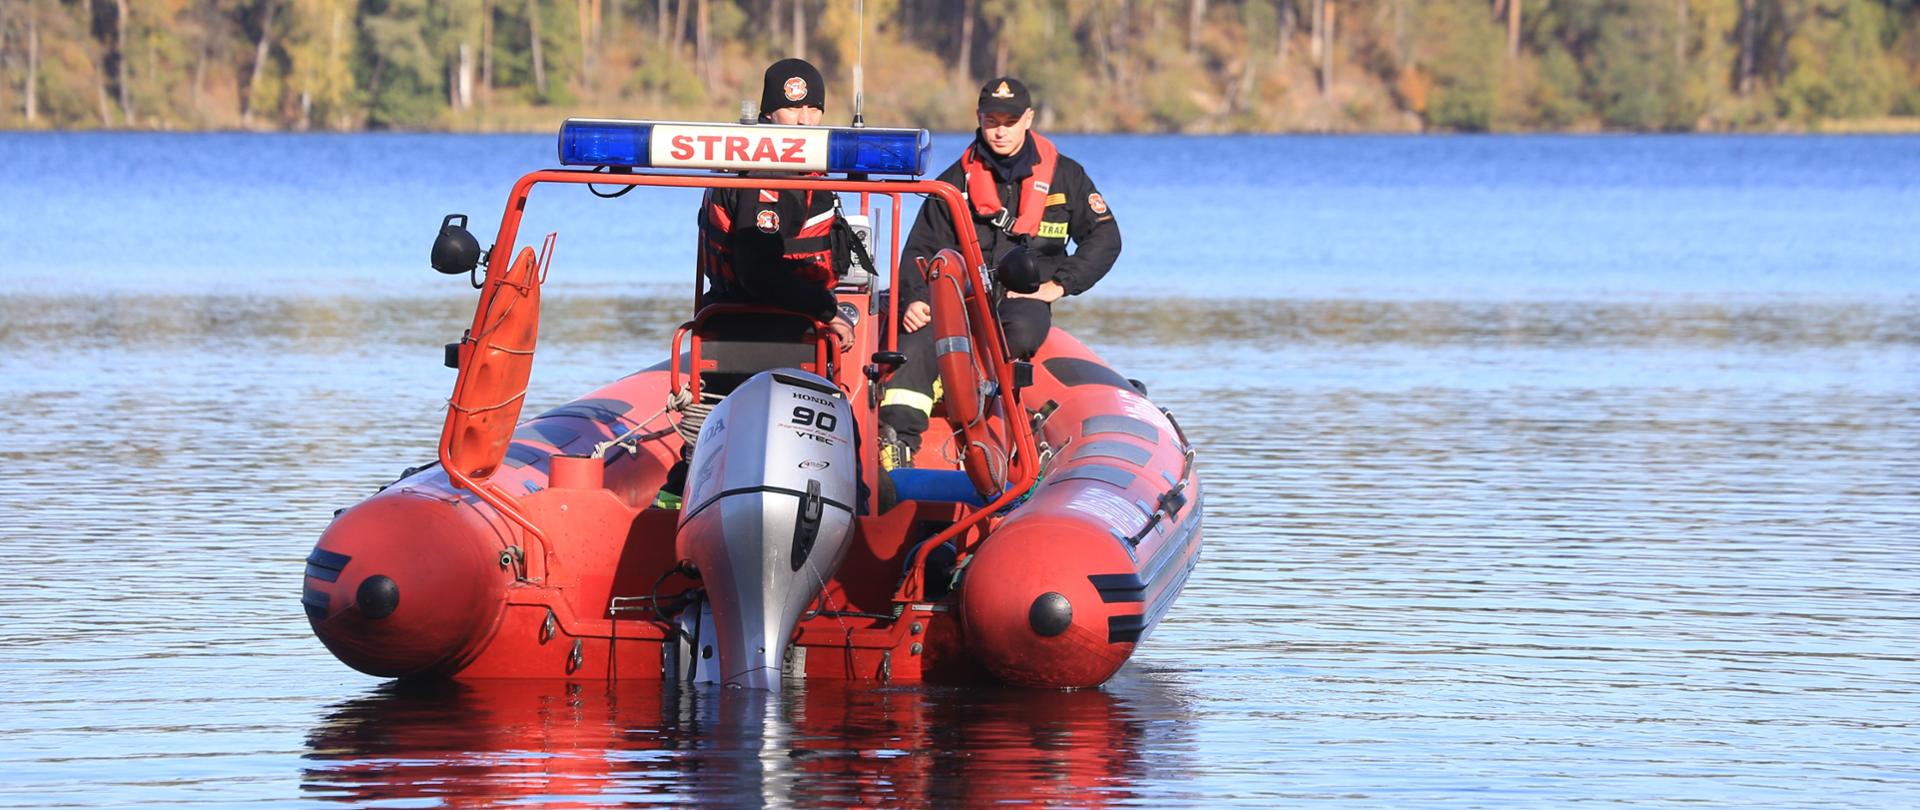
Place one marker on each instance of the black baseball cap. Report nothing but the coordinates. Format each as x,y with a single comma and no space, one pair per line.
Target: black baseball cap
1005,94
792,83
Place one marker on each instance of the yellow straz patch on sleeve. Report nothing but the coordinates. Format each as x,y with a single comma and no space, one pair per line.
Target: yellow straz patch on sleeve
1056,199
1053,230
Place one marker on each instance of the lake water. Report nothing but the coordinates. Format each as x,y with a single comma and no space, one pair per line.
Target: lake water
1540,471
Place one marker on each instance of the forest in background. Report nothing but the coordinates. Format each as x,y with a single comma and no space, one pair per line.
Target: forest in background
1094,65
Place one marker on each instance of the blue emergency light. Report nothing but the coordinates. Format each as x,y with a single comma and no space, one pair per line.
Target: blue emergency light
743,147
604,143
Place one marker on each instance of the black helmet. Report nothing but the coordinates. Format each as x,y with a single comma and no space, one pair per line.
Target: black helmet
1018,272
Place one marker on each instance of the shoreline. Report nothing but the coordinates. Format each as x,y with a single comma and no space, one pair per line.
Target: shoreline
1895,125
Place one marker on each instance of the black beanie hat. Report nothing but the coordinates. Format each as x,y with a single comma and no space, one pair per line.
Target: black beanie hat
792,83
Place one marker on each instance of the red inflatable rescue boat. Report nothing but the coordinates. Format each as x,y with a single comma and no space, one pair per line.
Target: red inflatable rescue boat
1052,516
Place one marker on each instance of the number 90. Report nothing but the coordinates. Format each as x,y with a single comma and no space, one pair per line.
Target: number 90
808,417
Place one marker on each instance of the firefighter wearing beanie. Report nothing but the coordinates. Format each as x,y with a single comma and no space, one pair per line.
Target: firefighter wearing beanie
775,247
768,247
1025,196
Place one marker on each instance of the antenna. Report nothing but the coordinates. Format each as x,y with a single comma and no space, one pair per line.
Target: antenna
859,61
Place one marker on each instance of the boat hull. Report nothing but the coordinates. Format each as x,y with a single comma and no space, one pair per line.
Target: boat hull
598,591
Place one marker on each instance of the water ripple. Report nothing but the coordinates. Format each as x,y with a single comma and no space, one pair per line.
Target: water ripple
1462,553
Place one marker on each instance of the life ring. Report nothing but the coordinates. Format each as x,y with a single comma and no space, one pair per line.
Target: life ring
962,374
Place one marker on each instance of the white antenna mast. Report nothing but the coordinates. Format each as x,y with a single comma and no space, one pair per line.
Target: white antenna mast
859,60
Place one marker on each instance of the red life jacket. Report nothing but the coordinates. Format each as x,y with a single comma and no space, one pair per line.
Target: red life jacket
808,245
983,191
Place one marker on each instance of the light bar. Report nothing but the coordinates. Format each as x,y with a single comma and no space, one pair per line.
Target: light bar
743,147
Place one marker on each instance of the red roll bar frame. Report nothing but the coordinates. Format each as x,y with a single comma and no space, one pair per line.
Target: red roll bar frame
981,315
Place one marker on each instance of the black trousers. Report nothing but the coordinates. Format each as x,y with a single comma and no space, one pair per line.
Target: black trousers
908,402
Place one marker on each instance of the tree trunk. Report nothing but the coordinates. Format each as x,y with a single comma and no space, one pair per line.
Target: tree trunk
1316,34
539,59
774,20
197,90
1680,33
196,86
486,50
1326,47
1100,35
1749,23
1513,29
660,17
334,59
799,49
1402,49
120,50
702,47
1244,89
1001,44
679,32
583,29
259,62
963,66
32,106
1282,48
464,82
1196,16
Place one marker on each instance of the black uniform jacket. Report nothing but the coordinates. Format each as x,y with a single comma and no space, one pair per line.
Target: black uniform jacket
1071,199
774,246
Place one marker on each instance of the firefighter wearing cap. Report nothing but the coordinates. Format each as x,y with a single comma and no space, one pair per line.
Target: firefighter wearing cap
1022,193
777,247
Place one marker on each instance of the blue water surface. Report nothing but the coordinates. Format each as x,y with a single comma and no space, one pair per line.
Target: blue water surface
1490,217
1538,471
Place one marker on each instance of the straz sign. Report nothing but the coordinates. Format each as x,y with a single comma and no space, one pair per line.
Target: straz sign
762,148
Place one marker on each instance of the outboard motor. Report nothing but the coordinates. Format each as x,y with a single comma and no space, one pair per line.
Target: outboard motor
768,513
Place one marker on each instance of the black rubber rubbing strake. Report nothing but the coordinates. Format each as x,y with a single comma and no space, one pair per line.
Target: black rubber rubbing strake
316,603
326,565
1119,587
1125,629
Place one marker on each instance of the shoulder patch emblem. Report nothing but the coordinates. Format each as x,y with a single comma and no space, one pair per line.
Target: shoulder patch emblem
767,222
795,88
1097,203
1056,199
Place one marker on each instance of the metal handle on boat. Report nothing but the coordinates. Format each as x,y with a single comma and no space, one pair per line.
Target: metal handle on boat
1174,499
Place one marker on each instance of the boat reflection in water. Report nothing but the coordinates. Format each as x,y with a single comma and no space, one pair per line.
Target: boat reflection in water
573,744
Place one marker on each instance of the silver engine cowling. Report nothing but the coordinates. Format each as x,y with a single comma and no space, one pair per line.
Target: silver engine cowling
768,514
